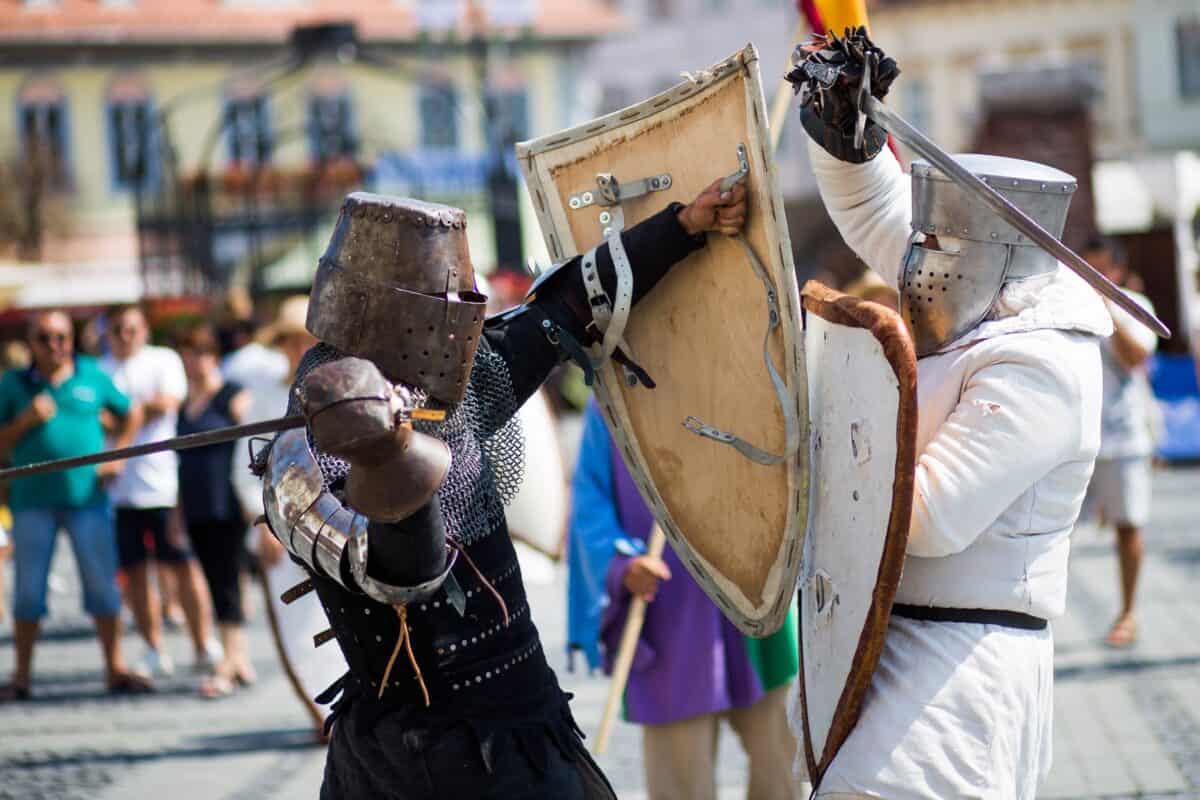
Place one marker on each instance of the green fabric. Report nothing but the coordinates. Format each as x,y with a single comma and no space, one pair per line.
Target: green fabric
776,658
74,430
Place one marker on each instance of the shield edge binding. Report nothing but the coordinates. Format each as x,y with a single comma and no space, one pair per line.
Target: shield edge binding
768,616
889,331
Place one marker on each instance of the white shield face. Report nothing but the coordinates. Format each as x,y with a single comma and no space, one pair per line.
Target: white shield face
862,406
537,516
736,524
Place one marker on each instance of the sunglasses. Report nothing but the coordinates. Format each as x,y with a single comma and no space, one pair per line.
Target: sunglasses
47,338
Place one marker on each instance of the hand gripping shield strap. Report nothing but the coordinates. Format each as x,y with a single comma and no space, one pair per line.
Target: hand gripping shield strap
317,529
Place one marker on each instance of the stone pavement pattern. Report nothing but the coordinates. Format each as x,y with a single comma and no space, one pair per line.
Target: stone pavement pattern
1127,723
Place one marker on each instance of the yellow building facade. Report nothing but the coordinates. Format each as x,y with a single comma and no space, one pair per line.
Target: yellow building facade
413,112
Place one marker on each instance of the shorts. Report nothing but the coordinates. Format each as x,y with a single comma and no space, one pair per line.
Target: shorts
135,525
35,533
1119,492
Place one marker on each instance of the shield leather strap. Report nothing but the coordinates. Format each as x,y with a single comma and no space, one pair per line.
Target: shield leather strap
610,319
791,424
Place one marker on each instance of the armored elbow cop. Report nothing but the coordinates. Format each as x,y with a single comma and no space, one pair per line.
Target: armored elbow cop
315,527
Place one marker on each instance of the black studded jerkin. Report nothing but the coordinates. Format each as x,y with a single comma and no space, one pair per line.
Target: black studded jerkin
497,724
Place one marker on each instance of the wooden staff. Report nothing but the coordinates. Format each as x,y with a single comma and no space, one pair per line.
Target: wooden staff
624,660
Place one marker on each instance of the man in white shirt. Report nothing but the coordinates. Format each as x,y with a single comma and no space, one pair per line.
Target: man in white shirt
146,490
1120,489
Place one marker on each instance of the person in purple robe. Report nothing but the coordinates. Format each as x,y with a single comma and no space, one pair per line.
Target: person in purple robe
692,668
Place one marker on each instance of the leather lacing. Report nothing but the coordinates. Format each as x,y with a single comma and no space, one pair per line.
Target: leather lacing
404,639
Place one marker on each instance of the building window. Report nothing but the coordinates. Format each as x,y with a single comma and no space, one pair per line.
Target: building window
439,117
1188,35
248,130
331,127
129,136
511,108
131,124
43,129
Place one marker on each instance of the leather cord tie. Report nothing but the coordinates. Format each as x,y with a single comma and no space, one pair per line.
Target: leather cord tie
403,640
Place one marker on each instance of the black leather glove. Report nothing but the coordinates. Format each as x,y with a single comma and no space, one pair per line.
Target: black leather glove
827,76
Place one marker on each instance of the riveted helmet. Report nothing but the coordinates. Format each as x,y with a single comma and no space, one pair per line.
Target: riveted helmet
947,289
396,286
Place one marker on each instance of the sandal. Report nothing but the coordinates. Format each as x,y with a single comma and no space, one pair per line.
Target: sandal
1124,633
128,683
11,693
216,686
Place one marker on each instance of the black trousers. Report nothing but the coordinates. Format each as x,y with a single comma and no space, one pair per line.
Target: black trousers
220,547
423,765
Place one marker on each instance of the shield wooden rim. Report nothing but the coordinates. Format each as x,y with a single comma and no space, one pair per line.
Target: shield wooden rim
764,614
888,329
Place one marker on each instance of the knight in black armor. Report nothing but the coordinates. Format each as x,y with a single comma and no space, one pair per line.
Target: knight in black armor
392,497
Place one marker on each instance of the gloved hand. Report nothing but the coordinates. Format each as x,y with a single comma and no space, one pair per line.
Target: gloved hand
356,414
828,74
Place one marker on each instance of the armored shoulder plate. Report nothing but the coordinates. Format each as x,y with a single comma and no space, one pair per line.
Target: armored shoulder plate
316,528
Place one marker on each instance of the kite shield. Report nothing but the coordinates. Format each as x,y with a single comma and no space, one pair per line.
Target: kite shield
719,335
862,400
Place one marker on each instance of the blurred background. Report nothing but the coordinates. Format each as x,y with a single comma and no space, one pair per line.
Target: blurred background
191,156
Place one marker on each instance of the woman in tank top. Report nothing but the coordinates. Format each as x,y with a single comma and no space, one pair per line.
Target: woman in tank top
210,507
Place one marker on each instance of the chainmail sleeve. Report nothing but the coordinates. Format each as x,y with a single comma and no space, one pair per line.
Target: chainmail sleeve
484,435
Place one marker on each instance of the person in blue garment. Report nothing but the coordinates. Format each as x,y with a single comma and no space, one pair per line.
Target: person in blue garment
692,667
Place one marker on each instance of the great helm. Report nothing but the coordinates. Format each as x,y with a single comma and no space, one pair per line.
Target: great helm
396,287
945,292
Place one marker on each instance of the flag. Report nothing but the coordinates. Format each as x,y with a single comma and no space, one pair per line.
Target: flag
833,15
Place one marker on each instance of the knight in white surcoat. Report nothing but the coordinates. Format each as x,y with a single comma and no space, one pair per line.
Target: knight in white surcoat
1009,394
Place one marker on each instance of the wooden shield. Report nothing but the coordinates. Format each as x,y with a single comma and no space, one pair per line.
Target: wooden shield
862,405
736,524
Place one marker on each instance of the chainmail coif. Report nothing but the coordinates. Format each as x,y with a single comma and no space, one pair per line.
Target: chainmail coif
483,433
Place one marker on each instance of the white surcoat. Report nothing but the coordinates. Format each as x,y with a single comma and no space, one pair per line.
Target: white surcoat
1009,427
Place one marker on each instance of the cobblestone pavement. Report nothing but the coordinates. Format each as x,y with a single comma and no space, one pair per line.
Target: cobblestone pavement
1127,723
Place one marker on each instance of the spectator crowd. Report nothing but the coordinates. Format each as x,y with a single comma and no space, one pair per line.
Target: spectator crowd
170,536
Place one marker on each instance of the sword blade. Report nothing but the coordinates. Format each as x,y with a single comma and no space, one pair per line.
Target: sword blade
896,125
215,436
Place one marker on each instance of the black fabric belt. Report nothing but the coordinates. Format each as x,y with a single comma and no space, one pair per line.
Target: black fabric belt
986,616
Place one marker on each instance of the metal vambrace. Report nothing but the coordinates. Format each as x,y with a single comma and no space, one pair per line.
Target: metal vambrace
314,526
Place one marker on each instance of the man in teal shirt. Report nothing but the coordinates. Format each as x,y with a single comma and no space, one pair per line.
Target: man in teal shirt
54,410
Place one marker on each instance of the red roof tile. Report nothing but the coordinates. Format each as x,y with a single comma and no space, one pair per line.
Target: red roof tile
220,21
